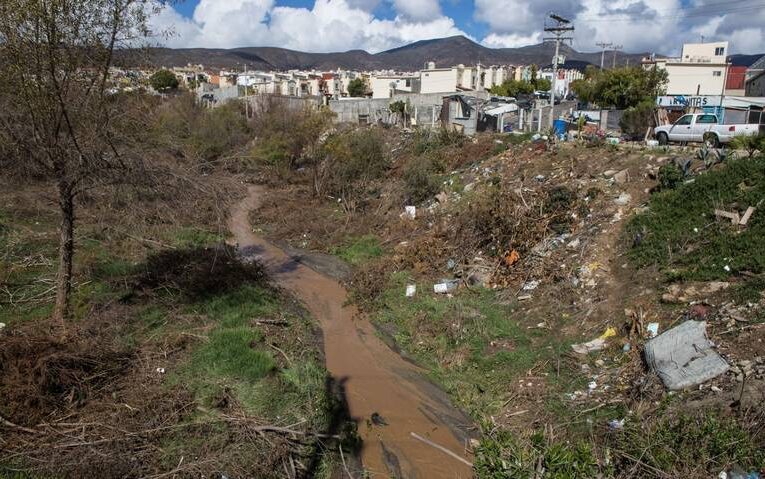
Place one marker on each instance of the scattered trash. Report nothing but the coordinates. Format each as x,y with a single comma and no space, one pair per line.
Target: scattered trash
726,268
525,297
442,197
410,212
540,178
733,217
512,258
451,264
747,215
626,348
531,285
613,141
616,424
445,286
574,244
738,473
378,420
596,344
592,386
683,356
623,199
653,330
652,143
676,294
411,290
2,327
161,370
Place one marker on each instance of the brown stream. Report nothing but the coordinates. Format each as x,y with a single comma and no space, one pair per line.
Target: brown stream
376,379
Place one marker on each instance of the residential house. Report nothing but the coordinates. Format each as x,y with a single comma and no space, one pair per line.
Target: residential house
700,70
754,82
385,86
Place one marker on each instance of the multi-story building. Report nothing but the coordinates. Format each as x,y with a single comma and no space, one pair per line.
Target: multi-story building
702,69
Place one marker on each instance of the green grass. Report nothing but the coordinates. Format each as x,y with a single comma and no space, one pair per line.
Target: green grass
357,251
684,239
195,237
452,338
705,443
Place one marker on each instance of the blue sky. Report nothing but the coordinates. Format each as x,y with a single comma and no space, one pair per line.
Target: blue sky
374,25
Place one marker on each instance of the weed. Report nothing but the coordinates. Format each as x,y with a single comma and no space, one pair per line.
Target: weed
688,446
670,176
501,455
452,338
422,179
680,233
359,250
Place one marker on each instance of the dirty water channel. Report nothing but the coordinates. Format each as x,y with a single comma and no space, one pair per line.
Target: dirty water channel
375,378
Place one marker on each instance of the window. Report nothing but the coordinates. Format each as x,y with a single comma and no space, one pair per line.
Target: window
720,51
717,73
707,119
408,83
686,120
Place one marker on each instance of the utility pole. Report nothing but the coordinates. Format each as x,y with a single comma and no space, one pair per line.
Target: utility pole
603,45
559,27
616,49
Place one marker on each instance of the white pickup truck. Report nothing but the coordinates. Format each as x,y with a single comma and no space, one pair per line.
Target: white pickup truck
703,127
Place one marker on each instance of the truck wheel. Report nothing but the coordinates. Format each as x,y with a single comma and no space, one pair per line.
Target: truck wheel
711,140
662,138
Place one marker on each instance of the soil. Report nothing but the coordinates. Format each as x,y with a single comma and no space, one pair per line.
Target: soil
375,378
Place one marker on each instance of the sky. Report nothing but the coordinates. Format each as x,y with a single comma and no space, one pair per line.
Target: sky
639,26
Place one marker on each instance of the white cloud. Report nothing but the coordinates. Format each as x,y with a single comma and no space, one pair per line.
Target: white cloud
659,26
418,9
330,25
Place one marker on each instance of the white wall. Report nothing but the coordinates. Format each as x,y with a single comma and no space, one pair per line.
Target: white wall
694,78
438,81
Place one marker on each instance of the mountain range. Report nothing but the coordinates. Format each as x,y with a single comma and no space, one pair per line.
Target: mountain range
445,52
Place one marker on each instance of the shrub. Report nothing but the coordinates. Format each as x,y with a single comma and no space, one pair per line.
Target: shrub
749,143
421,179
670,176
164,80
636,120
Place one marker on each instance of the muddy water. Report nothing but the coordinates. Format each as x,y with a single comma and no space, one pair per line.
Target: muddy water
376,379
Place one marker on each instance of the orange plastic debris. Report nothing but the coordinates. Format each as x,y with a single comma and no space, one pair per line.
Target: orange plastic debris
512,258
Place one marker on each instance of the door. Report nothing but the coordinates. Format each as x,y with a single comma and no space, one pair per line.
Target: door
681,130
704,123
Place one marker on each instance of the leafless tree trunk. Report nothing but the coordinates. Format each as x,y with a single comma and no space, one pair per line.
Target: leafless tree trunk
65,255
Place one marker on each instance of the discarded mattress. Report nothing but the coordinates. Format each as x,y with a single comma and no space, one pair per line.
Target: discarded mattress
683,356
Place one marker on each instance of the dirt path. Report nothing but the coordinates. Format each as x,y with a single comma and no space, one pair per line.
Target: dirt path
376,379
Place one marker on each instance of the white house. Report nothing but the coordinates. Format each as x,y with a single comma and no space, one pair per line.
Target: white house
384,86
701,69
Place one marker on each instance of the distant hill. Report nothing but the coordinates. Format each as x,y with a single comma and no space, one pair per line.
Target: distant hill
744,60
445,52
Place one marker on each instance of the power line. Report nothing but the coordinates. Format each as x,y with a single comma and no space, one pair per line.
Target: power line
603,45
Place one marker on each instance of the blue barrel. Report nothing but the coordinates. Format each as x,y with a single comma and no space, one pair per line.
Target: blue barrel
560,126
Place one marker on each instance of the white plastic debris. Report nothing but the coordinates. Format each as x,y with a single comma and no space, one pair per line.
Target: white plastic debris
410,212
592,386
616,424
445,287
411,290
623,199
653,329
531,285
161,370
2,327
683,356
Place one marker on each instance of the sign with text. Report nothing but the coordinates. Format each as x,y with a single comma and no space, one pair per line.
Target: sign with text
682,101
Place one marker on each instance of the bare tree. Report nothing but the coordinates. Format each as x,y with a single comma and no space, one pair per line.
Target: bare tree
59,119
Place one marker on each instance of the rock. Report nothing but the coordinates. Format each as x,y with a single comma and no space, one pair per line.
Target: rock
622,177
378,420
442,197
2,327
469,187
609,173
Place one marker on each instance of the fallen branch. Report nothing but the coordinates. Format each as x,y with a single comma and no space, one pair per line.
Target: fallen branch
441,448
8,423
272,322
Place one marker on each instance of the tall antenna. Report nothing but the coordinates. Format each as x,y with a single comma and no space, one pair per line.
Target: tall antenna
603,45
559,27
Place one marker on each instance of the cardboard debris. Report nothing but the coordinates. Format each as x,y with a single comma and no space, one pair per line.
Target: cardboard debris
683,356
733,217
747,216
